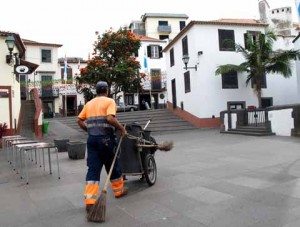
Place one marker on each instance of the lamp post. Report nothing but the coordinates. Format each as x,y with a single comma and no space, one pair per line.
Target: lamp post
185,59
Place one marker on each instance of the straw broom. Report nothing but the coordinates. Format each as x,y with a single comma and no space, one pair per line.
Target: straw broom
98,210
164,146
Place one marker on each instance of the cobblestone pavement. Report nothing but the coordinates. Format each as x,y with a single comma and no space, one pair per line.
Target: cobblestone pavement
208,179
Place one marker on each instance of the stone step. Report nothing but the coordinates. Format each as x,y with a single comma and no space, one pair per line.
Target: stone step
132,119
143,122
161,120
158,127
237,132
252,129
145,113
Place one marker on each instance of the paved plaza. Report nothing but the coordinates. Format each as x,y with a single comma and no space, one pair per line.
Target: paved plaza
208,179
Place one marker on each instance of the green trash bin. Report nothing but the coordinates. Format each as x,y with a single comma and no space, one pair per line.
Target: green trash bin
45,127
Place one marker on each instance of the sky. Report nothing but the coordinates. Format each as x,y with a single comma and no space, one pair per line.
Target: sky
73,23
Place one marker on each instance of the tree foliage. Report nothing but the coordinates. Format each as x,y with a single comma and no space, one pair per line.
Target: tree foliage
261,59
113,61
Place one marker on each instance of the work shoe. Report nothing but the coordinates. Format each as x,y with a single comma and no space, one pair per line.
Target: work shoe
124,192
88,207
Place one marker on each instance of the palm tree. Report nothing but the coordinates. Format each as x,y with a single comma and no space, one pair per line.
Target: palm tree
261,59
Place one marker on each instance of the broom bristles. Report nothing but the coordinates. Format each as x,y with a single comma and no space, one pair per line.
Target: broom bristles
98,210
165,146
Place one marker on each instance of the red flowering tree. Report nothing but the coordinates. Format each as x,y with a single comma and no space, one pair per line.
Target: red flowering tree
114,62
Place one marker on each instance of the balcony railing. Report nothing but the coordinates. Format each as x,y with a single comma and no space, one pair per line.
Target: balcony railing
164,29
49,92
139,31
156,85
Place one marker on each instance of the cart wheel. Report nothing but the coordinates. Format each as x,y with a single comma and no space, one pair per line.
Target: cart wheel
150,169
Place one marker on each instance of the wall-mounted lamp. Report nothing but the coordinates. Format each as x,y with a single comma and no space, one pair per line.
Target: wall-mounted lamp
12,58
185,59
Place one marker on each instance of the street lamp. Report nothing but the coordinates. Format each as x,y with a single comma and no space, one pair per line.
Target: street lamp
10,42
185,59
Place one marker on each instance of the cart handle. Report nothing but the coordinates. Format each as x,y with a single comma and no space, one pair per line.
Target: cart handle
148,122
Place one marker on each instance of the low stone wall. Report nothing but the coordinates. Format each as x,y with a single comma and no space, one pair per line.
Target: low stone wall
283,120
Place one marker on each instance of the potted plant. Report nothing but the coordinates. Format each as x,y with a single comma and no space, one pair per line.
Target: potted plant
3,127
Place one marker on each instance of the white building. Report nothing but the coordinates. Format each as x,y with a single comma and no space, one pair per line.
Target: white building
68,90
10,101
153,66
296,42
159,25
154,30
199,95
47,78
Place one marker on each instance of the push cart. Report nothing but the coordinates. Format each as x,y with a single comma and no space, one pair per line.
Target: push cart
136,159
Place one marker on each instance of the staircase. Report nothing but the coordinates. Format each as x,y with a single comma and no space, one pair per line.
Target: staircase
260,130
162,120
27,118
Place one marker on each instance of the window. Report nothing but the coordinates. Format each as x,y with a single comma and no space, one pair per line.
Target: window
250,36
230,80
69,75
162,23
46,55
226,40
172,62
154,51
263,82
185,48
187,82
181,25
162,37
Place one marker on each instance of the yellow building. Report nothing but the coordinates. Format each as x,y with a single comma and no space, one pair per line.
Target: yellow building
10,99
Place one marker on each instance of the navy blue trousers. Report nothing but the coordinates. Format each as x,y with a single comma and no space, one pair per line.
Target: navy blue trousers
100,151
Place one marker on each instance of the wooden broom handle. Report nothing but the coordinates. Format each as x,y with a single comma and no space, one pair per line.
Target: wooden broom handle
112,165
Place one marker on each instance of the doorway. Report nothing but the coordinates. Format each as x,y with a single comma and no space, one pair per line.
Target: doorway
6,106
266,102
48,109
71,105
143,99
236,105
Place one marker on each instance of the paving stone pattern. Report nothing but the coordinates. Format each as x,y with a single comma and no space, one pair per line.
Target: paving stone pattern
208,179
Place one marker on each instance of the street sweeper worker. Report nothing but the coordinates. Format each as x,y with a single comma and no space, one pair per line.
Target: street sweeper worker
98,118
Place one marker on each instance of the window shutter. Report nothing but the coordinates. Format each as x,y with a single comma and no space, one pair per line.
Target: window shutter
246,37
149,51
160,51
172,57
